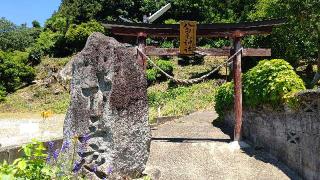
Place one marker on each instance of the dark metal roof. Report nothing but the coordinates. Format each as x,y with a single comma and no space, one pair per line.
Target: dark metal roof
209,30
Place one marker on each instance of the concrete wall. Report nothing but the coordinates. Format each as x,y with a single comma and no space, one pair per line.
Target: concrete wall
293,136
10,153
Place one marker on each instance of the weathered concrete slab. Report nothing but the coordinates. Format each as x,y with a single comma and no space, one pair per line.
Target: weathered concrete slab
190,148
108,113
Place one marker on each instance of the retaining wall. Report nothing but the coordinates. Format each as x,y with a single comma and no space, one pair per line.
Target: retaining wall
293,136
10,153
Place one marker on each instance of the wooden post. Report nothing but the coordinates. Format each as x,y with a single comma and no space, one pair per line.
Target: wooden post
237,90
142,37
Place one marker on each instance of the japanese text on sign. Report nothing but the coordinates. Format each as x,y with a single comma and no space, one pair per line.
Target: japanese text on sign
188,33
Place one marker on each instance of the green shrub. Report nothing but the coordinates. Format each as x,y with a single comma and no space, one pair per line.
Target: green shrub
3,93
56,23
166,66
170,21
224,97
35,55
167,44
151,75
77,35
36,164
14,70
30,166
270,82
44,45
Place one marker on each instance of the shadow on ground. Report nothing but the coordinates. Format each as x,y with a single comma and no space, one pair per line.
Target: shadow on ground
189,140
257,152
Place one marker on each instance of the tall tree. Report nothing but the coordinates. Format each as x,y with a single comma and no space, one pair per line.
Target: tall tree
205,11
299,39
13,37
36,24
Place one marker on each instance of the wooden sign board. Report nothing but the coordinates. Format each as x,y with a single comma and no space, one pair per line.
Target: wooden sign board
188,34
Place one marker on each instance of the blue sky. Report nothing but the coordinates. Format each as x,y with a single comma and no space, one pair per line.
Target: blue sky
25,11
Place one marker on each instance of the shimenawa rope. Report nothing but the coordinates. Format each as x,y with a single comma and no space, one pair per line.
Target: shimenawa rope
190,81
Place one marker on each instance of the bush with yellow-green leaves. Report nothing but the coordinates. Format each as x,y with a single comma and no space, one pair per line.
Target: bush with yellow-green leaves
270,82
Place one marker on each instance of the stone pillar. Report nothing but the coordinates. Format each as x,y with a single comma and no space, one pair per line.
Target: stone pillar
107,120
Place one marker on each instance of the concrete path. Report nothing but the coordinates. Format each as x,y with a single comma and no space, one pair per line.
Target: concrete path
191,148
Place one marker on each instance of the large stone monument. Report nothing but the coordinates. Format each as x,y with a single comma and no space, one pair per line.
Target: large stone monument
107,120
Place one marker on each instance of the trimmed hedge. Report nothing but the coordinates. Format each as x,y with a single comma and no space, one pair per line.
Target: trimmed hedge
270,82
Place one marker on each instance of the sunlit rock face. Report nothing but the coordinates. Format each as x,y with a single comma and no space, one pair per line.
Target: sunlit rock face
107,120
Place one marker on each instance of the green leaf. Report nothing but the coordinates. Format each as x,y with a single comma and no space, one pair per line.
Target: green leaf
16,161
22,165
27,150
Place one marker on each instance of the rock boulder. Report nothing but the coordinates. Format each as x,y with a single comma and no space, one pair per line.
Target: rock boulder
107,120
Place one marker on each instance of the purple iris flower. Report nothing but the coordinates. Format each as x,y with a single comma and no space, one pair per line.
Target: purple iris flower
83,146
48,158
95,168
76,167
65,146
109,170
81,149
86,137
55,154
51,145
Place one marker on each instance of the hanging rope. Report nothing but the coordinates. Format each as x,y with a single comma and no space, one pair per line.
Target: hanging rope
190,81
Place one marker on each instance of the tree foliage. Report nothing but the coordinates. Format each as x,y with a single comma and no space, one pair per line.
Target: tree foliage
46,44
300,37
57,23
77,35
36,24
14,70
205,11
13,37
78,11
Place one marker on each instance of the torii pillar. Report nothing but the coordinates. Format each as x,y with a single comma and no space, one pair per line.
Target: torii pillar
237,87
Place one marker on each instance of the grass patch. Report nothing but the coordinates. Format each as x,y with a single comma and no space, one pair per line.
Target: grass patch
173,101
50,65
191,71
36,99
180,100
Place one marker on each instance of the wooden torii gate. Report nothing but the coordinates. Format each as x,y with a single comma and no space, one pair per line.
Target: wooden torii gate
234,31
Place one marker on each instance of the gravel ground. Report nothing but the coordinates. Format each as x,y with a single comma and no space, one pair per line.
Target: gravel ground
17,129
191,148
